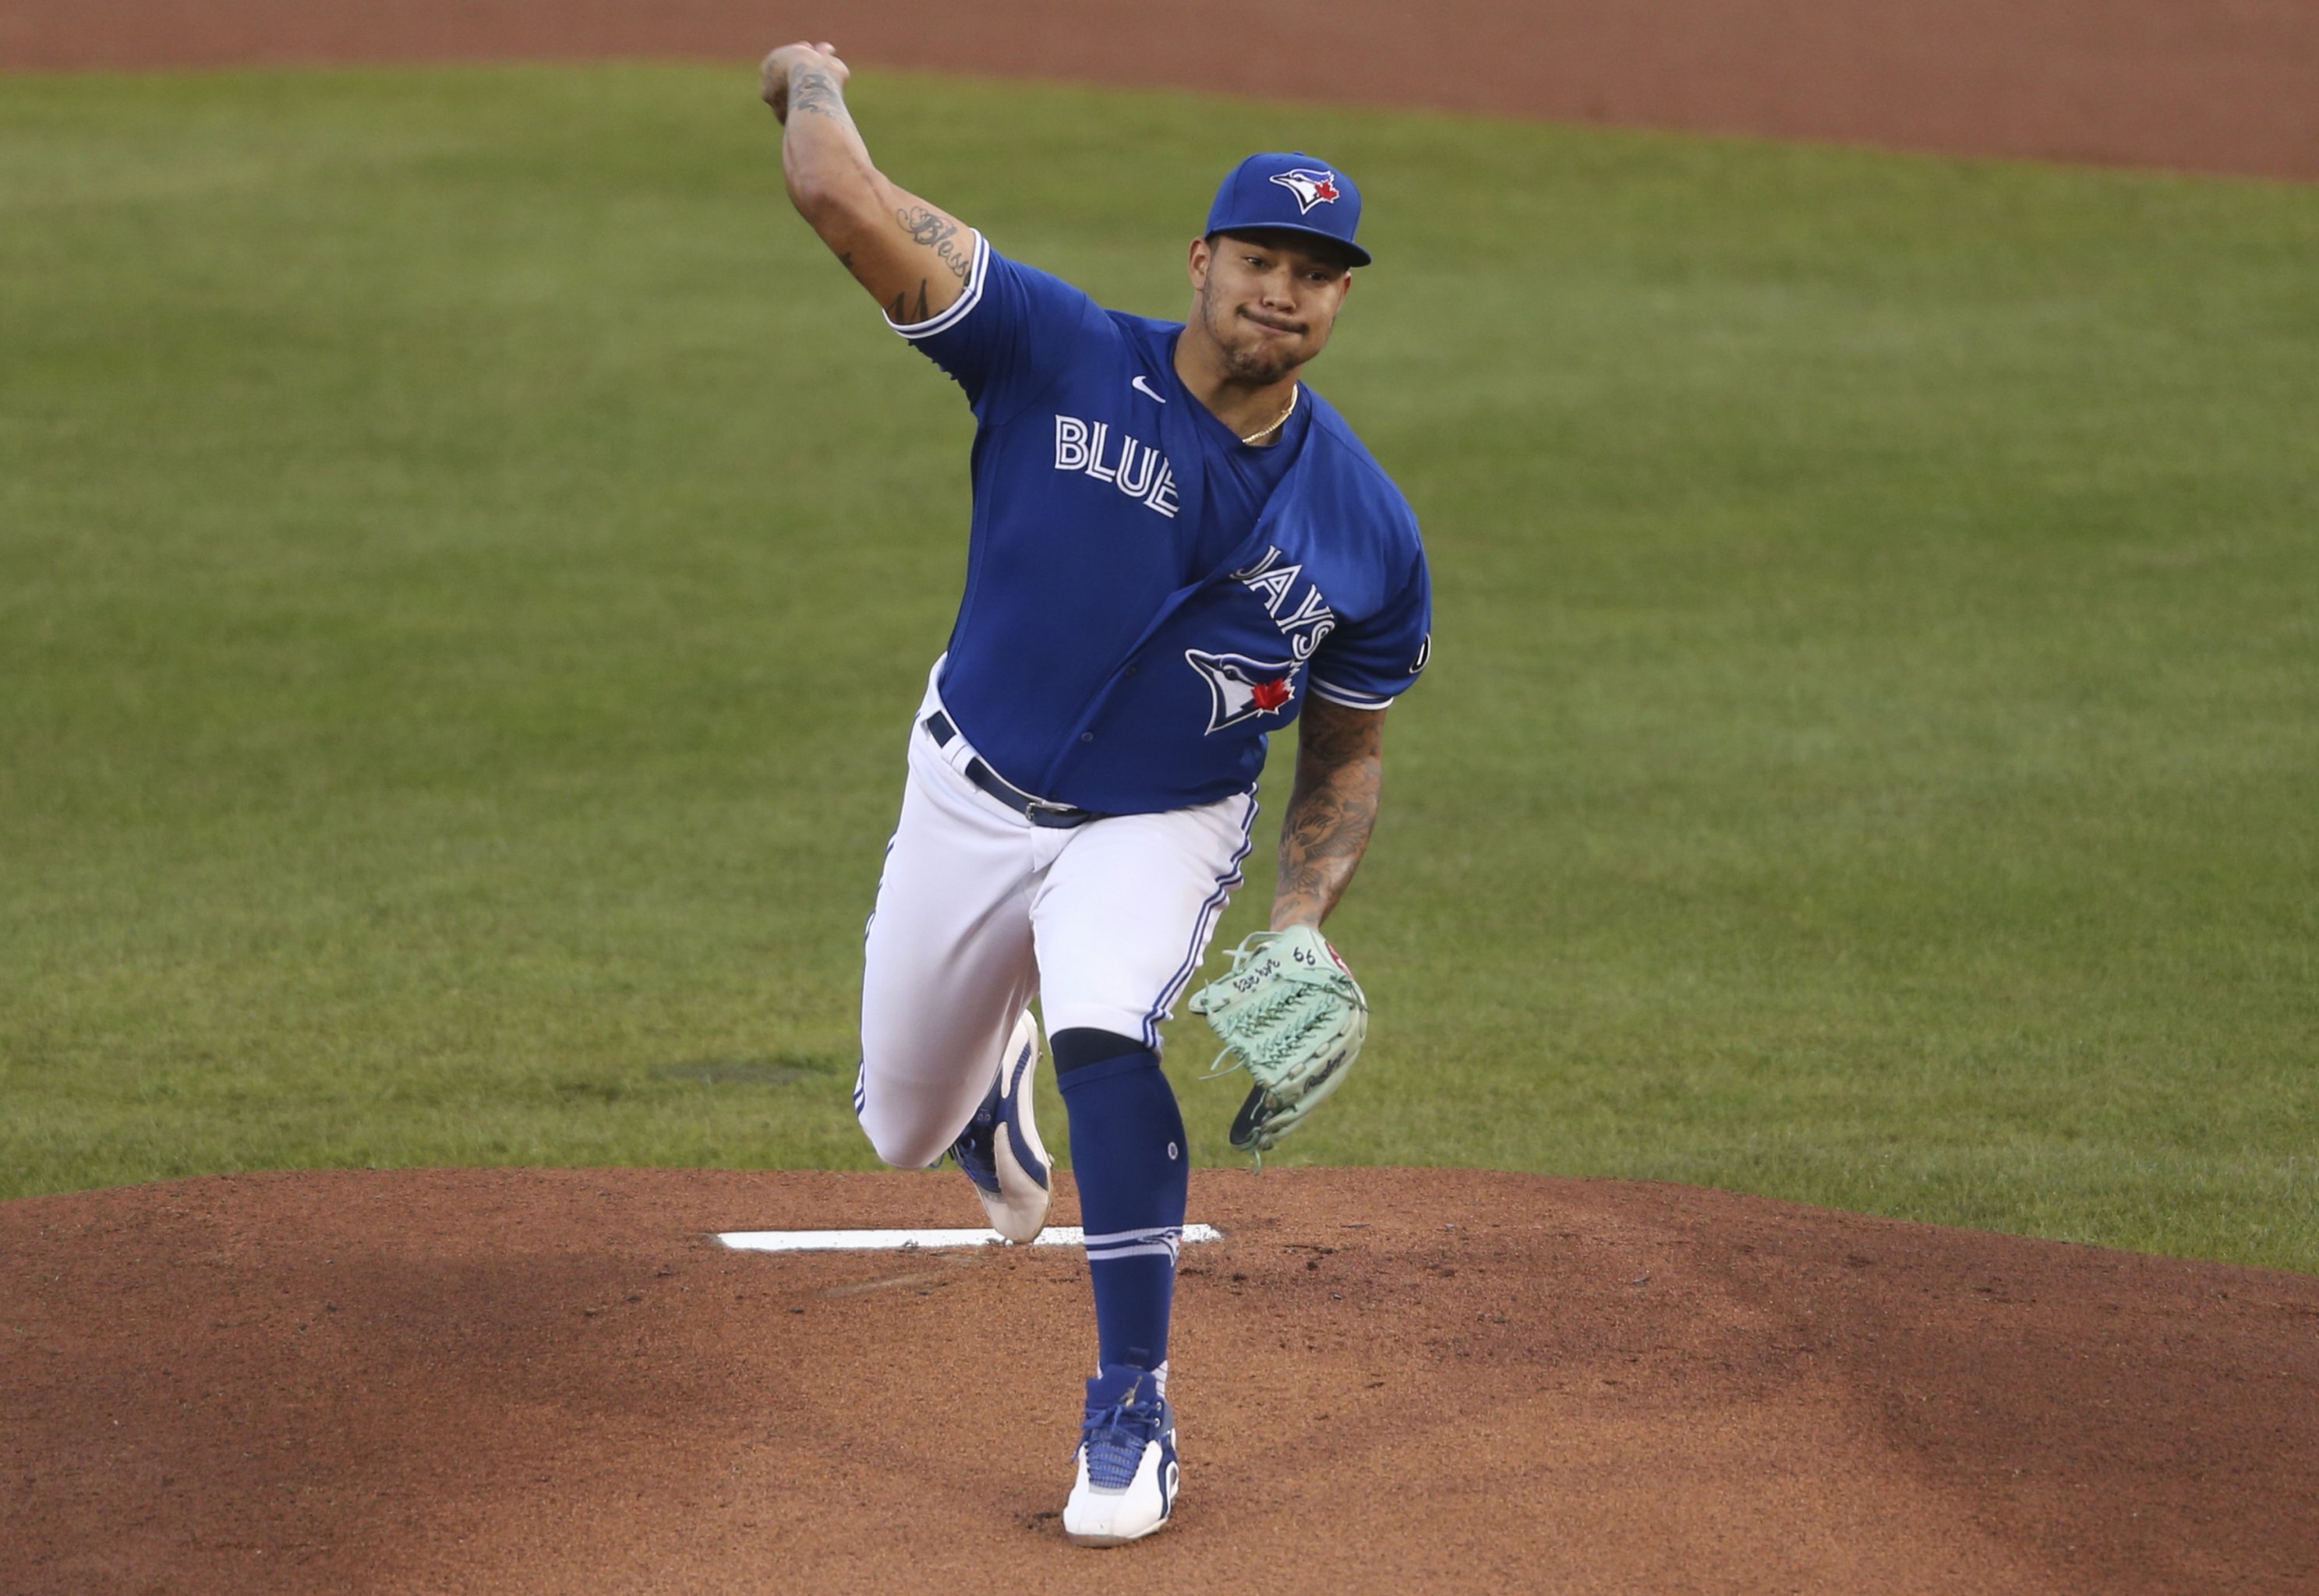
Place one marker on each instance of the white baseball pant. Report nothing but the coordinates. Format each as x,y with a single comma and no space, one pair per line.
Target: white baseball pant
978,910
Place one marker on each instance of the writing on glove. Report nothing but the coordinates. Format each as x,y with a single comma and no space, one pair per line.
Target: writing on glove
1292,1015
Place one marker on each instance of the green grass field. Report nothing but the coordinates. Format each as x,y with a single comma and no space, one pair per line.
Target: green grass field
467,559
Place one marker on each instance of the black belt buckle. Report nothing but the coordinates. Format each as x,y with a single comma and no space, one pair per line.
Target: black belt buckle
1040,811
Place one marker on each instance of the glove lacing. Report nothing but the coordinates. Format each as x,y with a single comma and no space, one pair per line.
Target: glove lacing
1280,1048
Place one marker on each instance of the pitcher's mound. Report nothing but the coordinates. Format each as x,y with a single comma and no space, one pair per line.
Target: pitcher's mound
521,1382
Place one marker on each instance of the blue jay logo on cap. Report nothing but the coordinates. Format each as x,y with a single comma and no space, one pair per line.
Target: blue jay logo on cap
1328,202
1311,188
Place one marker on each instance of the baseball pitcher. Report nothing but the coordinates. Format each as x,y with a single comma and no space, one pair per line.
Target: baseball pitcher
1177,548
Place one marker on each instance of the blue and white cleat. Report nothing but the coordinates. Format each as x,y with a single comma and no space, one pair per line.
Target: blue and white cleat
1000,1150
1128,1475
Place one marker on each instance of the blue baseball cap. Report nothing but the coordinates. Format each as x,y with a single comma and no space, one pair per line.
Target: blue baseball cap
1293,193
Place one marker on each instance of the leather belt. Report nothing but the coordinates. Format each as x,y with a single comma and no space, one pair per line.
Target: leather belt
1038,811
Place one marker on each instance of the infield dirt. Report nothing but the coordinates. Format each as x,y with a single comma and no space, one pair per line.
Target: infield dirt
526,1382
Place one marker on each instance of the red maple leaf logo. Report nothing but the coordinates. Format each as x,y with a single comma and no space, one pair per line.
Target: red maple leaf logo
1326,189
1268,696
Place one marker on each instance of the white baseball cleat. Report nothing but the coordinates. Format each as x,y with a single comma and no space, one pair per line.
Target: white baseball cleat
1000,1150
1127,1469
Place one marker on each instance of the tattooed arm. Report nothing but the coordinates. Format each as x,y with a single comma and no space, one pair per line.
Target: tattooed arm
912,258
1339,768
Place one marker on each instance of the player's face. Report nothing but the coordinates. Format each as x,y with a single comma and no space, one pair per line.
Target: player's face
1267,301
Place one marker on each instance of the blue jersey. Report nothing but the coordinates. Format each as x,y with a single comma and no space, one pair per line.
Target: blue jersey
1146,596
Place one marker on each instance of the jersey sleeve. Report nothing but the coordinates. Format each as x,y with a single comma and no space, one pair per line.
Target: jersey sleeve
1366,664
1010,334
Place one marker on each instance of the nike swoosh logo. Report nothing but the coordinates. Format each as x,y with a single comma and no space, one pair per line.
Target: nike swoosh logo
1145,389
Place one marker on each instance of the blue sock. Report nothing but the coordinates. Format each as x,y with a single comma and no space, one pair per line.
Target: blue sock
1133,1173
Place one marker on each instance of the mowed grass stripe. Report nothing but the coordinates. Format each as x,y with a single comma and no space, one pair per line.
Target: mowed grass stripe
467,558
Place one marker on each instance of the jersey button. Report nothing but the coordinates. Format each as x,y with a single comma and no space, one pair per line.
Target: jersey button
1131,669
1086,736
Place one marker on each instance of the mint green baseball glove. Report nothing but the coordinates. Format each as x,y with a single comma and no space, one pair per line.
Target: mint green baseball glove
1292,1015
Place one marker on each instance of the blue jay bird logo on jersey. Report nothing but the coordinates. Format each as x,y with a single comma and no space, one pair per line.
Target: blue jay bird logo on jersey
1311,188
1241,688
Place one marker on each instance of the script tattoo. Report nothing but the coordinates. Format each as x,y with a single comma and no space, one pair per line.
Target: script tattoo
924,226
812,92
929,227
1340,775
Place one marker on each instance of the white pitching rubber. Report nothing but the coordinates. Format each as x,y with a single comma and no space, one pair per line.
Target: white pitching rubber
914,1241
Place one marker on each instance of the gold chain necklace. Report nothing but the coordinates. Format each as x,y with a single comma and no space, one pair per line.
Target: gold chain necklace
1278,421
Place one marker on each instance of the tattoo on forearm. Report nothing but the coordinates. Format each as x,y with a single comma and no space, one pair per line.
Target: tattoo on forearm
929,227
812,92
1330,814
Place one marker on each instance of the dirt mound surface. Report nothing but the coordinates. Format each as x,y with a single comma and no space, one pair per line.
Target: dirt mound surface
522,1382
2228,85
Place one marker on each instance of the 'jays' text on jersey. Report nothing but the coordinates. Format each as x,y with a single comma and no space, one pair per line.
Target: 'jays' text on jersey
1146,596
